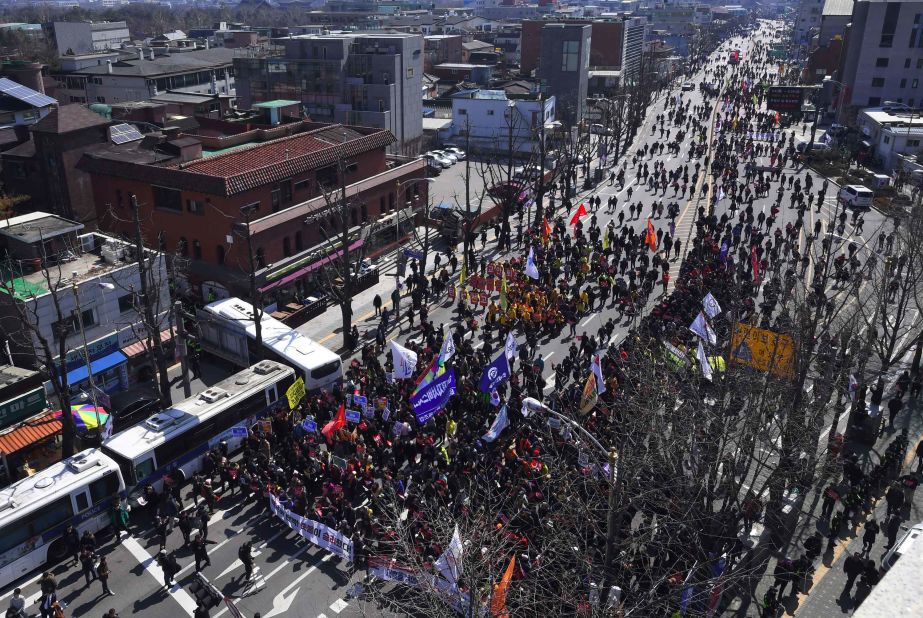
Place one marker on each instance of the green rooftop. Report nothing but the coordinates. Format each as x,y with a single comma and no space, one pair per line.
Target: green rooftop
275,103
22,289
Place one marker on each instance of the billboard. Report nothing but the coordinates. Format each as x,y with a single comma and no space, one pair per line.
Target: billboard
763,349
785,98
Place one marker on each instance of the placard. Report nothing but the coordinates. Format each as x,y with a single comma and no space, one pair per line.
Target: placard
353,416
309,424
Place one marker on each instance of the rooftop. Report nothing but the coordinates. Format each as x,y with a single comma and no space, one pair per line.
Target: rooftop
241,168
169,64
67,118
275,104
37,226
894,115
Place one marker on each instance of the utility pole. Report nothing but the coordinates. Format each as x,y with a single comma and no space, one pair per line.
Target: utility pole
255,301
466,228
182,347
540,190
160,359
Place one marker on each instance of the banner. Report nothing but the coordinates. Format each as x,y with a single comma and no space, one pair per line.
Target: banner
433,397
450,564
590,395
531,268
497,427
510,346
315,532
405,361
295,393
495,373
763,349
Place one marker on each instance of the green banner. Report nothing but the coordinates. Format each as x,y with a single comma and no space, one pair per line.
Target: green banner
24,406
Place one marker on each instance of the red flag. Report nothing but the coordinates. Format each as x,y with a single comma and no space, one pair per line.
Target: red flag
581,212
755,263
651,237
546,229
338,422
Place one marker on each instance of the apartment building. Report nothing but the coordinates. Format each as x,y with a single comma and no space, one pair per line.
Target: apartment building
87,37
564,67
372,80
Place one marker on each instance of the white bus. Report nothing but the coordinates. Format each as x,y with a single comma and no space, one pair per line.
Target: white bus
35,512
229,332
174,440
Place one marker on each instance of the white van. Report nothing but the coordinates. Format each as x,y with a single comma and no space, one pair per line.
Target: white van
904,545
856,196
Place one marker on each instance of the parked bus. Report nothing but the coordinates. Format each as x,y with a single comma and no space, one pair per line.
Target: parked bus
228,331
173,441
35,512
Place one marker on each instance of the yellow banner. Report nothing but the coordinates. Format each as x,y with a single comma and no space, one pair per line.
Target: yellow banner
295,393
763,349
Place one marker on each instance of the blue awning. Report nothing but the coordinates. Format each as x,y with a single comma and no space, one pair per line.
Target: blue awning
99,365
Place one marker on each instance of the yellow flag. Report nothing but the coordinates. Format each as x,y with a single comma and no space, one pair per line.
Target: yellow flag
503,300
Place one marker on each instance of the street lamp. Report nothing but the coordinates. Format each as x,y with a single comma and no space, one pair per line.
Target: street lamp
531,404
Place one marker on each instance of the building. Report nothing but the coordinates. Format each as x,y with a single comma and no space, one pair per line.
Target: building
564,68
371,80
807,21
632,47
95,281
606,42
882,58
87,37
196,190
490,121
891,132
440,48
204,71
834,18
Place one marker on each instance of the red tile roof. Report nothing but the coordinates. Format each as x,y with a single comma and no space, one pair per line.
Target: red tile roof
249,167
29,432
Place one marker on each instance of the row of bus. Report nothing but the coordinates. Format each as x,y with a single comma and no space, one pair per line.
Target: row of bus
35,512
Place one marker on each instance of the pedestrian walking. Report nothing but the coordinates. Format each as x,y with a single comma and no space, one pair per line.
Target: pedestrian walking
202,521
119,517
376,302
245,555
868,538
895,498
170,567
88,564
892,527
200,552
853,567
103,572
184,523
47,604
72,539
894,407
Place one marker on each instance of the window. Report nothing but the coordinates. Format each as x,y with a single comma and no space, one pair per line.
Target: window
889,25
410,72
183,246
167,199
299,245
881,63
903,82
100,99
878,82
286,247
913,143
254,207
51,515
381,105
915,83
326,176
490,112
83,501
144,469
874,101
570,55
128,302
462,111
196,249
261,257
303,185
915,39
104,488
196,207
907,63
71,324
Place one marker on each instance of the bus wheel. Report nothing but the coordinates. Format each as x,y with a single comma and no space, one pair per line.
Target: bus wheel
57,552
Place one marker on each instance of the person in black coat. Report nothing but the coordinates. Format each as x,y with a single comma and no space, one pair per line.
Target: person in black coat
853,566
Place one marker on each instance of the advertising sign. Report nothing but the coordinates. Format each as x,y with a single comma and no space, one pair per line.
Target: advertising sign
763,349
785,98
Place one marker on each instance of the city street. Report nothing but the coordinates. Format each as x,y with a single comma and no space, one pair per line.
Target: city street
300,580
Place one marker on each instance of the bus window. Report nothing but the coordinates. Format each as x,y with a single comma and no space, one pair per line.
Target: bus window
104,488
325,370
144,469
51,515
272,395
82,501
13,537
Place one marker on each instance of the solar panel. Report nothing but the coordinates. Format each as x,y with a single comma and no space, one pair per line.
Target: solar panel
124,133
26,95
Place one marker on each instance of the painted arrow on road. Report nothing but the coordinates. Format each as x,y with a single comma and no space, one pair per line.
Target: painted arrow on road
284,600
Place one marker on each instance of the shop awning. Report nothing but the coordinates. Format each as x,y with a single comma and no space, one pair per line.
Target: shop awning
306,269
137,347
99,365
29,432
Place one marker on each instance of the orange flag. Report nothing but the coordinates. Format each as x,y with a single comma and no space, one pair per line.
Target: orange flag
581,212
546,229
651,237
498,601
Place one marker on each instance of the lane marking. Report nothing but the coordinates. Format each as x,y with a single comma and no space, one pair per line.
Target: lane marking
337,606
177,593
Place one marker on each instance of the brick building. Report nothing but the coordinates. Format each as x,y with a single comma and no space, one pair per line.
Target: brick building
606,42
193,189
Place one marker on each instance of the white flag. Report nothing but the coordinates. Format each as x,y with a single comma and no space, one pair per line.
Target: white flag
449,563
701,328
498,426
448,347
596,368
703,362
405,361
511,346
712,308
531,268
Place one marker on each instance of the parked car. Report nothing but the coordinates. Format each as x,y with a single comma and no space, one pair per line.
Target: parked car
818,145
458,152
687,86
856,196
443,153
438,160
598,129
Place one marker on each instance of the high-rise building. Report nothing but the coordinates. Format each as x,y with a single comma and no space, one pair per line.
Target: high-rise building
564,66
883,57
371,80
807,20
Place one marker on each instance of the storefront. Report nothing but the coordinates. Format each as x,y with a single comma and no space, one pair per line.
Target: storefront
107,362
29,446
140,368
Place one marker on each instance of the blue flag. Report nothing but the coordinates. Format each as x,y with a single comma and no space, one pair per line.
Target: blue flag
495,373
498,426
433,397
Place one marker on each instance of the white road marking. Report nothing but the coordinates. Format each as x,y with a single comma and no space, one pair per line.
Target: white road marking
587,321
337,606
150,565
297,580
